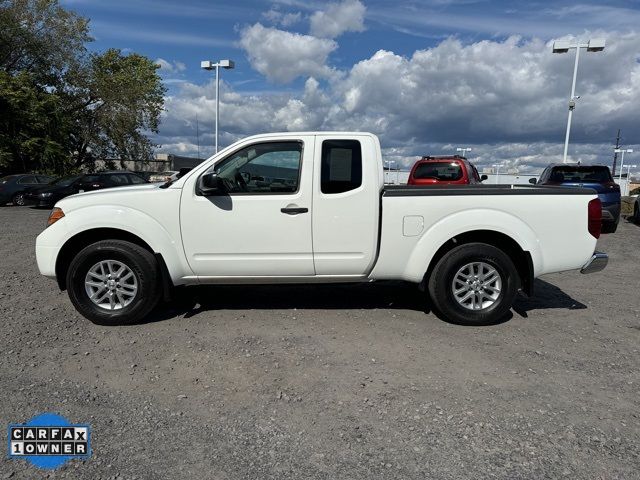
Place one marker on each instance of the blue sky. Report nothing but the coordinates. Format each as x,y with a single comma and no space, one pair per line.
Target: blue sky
335,59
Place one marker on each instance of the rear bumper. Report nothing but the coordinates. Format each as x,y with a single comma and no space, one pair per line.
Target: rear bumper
596,263
611,212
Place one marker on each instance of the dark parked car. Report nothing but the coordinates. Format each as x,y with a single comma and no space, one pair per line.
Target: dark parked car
597,177
13,187
48,195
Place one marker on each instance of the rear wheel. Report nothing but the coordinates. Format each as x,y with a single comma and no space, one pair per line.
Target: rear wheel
114,282
636,213
18,199
474,284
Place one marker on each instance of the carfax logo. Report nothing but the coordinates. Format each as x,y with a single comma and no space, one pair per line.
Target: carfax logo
49,440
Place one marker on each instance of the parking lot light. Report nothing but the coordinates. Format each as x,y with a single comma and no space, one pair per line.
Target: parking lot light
497,166
628,189
464,150
622,151
209,65
562,46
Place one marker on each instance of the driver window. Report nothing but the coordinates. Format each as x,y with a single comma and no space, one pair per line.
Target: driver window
263,168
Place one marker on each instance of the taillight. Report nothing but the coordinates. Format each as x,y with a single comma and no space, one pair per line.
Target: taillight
595,217
612,186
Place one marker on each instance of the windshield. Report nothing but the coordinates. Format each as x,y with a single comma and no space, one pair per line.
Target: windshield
581,174
65,181
444,171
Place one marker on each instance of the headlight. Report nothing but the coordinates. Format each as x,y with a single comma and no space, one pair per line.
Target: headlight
55,215
46,195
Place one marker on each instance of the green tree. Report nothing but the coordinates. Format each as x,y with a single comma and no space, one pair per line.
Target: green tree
34,130
117,100
62,108
42,38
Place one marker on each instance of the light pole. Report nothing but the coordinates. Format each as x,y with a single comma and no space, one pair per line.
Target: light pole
497,166
464,150
389,162
622,152
629,167
594,45
209,65
388,176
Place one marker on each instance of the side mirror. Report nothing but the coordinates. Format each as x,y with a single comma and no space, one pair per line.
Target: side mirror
210,184
483,178
533,181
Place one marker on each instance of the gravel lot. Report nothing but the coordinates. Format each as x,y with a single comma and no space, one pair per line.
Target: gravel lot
330,382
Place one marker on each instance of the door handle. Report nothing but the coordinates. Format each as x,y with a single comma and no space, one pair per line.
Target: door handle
294,210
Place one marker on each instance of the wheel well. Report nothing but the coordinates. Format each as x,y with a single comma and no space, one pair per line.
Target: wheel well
83,239
521,258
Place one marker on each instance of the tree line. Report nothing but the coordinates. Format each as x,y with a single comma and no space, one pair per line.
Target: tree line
63,107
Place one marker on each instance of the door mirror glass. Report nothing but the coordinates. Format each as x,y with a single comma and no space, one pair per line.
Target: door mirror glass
533,181
211,184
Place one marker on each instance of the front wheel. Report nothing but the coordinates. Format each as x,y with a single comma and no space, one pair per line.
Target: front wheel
474,284
114,282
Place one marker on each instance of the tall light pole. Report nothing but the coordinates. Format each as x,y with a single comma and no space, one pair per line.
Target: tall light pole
209,65
593,45
464,150
622,152
629,167
497,166
389,162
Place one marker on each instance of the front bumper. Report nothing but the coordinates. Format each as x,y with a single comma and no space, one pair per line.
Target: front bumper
596,263
37,201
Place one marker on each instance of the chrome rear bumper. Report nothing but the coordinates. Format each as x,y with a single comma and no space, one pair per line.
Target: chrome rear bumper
596,263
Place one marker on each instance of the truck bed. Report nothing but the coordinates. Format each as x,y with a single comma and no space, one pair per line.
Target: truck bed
415,223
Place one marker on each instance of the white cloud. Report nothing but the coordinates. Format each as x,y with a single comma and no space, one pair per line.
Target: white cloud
282,56
277,17
507,99
337,18
169,67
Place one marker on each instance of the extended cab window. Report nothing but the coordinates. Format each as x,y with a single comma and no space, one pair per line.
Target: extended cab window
341,168
263,168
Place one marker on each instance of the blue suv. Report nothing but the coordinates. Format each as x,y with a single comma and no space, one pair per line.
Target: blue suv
597,177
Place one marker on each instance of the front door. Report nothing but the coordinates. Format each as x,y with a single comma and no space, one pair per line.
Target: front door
262,226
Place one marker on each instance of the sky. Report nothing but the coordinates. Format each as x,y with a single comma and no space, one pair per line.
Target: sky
426,76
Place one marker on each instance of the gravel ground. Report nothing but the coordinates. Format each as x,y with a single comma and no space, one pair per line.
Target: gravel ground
330,382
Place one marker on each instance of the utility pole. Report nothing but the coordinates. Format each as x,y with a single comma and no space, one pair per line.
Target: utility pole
615,155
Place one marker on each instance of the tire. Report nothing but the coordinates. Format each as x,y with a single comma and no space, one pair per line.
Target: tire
496,297
134,296
609,227
18,200
636,214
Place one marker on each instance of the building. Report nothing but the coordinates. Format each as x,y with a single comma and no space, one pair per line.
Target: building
162,162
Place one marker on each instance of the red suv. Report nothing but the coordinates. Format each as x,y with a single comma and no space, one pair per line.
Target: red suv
444,170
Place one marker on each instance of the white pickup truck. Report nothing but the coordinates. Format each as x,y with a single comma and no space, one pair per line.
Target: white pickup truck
307,208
